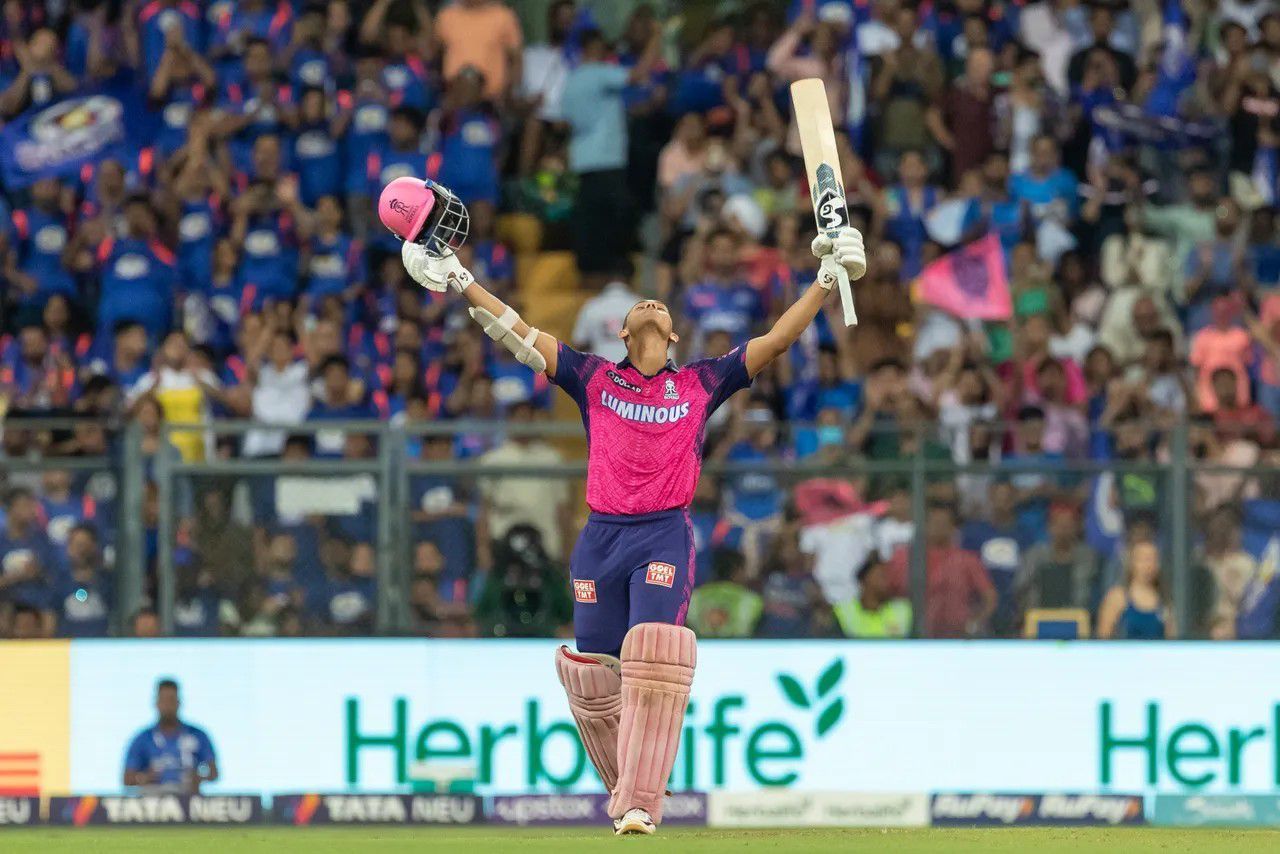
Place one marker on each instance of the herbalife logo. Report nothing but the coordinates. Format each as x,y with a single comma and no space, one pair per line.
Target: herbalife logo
822,698
531,743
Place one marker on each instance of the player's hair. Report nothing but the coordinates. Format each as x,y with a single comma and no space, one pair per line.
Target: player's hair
1031,413
166,682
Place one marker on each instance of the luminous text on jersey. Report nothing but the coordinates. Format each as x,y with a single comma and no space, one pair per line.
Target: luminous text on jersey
643,413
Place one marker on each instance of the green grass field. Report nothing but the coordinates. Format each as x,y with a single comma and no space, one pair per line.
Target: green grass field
686,841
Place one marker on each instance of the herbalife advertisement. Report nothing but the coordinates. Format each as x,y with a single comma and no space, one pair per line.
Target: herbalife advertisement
836,716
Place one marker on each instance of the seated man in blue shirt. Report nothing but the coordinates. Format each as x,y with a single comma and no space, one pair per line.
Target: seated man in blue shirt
170,755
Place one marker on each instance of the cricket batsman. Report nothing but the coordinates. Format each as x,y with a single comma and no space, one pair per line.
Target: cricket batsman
633,566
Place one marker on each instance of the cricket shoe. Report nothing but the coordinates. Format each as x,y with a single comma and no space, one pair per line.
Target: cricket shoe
634,821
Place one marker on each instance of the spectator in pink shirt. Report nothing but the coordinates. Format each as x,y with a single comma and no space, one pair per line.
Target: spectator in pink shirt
685,154
1222,346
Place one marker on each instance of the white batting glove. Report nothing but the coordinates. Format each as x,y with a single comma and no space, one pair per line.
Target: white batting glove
846,250
434,274
416,262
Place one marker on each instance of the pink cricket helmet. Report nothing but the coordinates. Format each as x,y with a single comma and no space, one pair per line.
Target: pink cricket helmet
424,212
404,206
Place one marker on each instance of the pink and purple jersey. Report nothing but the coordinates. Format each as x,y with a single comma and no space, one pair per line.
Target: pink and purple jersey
645,434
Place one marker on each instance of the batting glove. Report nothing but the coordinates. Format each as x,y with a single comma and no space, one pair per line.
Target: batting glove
434,274
846,250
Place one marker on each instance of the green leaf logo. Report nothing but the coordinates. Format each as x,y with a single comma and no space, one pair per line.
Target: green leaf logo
830,716
828,681
830,677
791,688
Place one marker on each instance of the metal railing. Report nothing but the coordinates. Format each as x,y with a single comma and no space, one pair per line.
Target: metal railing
393,469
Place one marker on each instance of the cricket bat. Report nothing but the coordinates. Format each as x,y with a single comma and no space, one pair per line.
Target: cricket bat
822,166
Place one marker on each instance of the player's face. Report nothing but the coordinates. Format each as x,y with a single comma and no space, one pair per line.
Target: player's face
649,315
167,703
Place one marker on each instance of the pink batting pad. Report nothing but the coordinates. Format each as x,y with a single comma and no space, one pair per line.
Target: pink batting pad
404,206
595,699
657,671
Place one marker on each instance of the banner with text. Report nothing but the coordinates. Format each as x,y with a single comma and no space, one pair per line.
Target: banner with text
389,715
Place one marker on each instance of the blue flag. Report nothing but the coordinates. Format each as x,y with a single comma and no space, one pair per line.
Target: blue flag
57,140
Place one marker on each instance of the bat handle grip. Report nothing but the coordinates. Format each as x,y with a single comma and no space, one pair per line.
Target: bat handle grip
846,296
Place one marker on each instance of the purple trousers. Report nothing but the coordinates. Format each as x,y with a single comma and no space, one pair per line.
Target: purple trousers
627,570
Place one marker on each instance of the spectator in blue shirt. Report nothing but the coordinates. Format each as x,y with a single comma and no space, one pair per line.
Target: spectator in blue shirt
316,146
86,593
139,274
351,594
268,227
468,135
159,24
593,106
39,236
999,541
908,203
336,402
63,509
336,262
181,84
308,62
1047,188
122,357
28,563
171,755
719,298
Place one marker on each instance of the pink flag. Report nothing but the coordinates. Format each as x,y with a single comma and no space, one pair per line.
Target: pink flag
969,282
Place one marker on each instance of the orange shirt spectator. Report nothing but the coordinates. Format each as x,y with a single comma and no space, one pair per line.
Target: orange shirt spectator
484,34
1216,348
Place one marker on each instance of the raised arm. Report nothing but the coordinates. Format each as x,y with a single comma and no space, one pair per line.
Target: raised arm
500,322
546,345
846,250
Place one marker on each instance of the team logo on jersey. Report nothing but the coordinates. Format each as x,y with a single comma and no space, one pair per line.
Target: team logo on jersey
669,390
660,574
618,380
644,414
584,590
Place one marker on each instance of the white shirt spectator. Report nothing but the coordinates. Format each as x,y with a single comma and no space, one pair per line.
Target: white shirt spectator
279,397
600,320
545,70
891,533
839,548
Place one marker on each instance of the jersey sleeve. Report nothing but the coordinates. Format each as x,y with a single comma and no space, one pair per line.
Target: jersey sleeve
135,757
574,371
204,750
723,375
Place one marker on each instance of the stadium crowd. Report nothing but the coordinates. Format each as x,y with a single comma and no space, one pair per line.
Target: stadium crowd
217,260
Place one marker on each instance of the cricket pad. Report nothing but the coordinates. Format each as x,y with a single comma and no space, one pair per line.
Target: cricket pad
657,672
595,700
